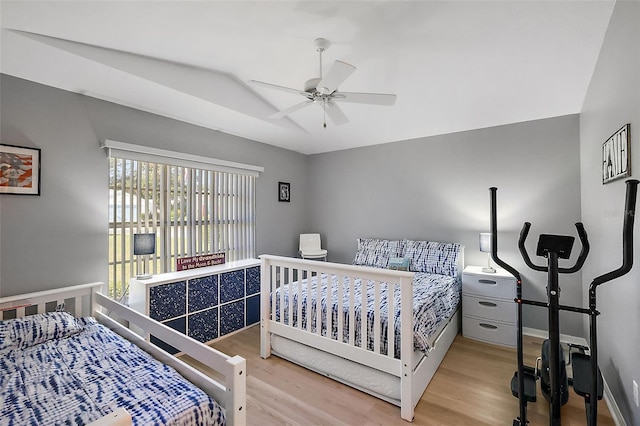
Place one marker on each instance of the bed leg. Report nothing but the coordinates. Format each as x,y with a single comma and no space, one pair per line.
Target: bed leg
406,386
406,404
406,413
265,309
236,411
265,341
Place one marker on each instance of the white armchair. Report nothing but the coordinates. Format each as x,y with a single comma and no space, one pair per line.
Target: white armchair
310,247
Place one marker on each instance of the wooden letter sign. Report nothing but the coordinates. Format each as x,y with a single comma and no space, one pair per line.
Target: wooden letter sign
616,159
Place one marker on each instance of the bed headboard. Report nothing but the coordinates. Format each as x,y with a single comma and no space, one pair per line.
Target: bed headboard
424,255
79,300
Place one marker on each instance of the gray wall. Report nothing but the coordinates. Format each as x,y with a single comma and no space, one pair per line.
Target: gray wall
60,237
432,188
613,100
437,188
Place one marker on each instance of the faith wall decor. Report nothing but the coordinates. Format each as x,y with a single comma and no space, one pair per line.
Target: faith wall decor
616,158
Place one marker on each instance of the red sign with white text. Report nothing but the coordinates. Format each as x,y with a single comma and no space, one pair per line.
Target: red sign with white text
201,261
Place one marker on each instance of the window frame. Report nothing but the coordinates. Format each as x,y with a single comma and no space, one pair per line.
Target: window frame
226,221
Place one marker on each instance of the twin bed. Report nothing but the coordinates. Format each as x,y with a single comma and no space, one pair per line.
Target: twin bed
58,369
394,353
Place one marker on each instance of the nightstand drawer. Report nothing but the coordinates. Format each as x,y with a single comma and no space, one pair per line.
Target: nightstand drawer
489,286
493,309
489,331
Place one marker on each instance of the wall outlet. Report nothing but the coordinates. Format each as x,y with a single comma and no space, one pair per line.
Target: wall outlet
635,393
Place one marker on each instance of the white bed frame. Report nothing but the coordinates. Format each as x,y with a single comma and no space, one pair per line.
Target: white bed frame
87,300
413,378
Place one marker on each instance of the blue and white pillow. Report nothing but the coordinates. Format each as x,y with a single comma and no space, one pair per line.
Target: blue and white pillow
433,257
376,252
20,333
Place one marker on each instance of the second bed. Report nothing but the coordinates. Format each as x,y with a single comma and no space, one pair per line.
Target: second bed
401,349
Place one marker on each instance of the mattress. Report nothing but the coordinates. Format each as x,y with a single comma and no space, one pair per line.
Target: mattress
435,299
85,376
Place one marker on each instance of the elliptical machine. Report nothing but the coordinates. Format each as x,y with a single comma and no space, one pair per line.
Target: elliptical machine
587,380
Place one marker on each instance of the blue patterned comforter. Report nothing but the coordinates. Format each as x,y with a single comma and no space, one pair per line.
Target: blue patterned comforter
435,299
78,379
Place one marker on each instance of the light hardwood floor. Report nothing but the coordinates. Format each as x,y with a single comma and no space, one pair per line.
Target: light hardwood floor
471,387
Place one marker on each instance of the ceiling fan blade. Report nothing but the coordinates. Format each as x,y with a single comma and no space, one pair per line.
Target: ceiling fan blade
274,86
365,98
338,73
335,114
291,109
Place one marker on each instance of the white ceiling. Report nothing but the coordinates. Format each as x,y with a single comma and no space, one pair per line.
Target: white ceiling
454,65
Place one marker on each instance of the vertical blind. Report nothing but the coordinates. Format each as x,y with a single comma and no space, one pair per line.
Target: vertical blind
192,211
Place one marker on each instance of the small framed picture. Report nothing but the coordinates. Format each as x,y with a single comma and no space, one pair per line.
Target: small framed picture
19,170
284,191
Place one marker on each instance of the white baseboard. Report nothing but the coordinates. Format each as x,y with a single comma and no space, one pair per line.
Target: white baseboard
616,415
543,334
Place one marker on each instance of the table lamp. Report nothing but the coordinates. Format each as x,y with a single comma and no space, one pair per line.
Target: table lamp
144,245
485,247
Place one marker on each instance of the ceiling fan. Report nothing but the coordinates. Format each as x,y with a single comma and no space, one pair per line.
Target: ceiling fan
323,90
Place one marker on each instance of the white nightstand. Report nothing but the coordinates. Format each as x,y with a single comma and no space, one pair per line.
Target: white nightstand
489,312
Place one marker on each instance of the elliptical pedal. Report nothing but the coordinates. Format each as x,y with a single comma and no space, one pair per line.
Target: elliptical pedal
530,378
582,376
582,381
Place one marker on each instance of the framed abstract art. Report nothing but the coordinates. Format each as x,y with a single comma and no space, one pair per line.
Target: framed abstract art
284,191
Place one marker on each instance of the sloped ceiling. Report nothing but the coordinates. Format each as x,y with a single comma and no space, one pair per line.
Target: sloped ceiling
453,65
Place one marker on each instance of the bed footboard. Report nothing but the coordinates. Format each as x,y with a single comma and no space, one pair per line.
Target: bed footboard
340,334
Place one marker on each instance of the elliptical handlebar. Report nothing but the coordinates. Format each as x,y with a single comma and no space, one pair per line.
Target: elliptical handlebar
582,234
522,402
627,263
523,251
494,237
627,237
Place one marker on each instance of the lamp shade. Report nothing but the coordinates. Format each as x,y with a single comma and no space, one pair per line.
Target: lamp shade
144,244
485,242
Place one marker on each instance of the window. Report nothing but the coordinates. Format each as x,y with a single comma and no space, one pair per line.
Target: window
193,207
